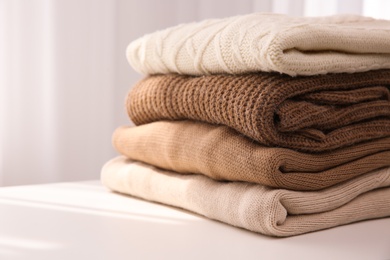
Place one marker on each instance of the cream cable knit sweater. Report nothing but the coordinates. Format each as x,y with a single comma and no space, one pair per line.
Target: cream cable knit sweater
275,212
266,42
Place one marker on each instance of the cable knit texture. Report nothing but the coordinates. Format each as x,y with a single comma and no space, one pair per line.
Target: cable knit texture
265,42
315,114
221,153
275,212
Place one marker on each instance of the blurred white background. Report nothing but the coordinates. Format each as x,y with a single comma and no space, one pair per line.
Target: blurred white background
64,76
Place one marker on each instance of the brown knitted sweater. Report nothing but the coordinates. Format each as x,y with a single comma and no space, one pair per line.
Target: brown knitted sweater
220,153
315,114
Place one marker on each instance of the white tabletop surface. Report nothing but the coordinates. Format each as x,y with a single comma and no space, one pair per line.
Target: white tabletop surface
83,220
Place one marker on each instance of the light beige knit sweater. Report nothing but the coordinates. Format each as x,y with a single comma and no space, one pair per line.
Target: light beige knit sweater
266,42
275,212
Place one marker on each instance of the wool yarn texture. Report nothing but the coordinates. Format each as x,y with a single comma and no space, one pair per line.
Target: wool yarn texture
219,152
274,212
310,114
265,42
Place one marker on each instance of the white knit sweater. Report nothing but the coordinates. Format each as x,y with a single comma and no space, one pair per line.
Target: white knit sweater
266,42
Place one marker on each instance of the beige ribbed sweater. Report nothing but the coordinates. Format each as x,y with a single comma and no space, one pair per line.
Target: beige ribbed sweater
265,42
219,152
274,212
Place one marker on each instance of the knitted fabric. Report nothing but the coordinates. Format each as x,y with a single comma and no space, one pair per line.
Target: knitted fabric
274,212
220,153
265,42
315,114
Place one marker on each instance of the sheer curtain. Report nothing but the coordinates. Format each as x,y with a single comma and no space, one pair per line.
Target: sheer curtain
64,77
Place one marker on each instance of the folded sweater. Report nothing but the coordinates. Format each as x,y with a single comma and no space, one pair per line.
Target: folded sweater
219,152
314,114
265,42
274,212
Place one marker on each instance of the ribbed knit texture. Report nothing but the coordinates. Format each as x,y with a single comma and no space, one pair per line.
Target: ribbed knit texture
275,212
221,153
265,42
314,114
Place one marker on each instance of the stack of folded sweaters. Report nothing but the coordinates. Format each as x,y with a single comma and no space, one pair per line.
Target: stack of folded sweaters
274,124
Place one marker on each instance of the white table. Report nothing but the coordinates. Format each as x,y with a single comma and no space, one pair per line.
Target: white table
83,220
